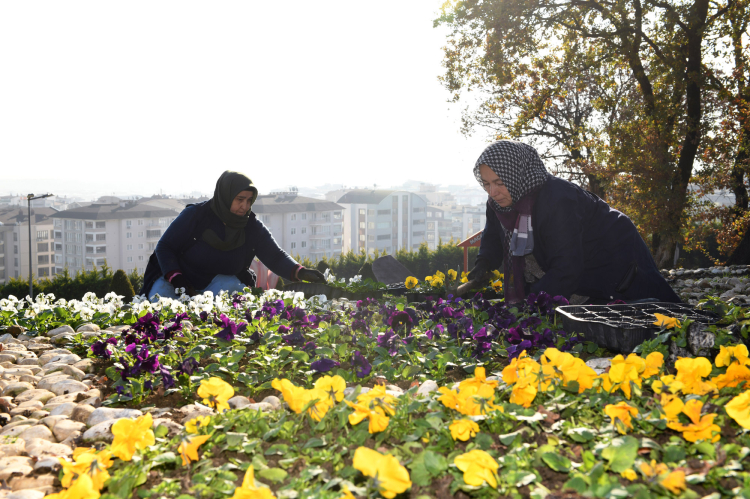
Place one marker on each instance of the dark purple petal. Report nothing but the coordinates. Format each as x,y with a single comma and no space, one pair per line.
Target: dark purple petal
361,365
323,365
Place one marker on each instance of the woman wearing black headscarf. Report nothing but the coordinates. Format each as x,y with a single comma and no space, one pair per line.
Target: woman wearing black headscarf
210,246
583,246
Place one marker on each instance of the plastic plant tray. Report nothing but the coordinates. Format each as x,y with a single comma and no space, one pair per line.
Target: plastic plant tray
621,328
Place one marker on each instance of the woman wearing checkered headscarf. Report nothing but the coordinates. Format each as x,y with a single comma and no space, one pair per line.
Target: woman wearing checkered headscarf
584,246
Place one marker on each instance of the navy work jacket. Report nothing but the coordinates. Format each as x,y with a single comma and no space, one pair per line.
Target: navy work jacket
584,247
181,248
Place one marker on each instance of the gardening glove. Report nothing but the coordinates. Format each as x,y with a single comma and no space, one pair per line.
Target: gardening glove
310,275
180,281
481,267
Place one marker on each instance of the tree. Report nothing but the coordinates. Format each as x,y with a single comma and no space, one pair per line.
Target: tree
121,286
661,42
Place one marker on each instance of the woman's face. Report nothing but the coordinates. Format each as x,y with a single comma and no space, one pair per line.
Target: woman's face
495,187
242,202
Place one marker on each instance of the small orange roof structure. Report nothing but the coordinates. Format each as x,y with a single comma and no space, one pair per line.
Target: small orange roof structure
472,241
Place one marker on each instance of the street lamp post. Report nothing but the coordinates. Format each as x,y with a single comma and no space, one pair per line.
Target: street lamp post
31,198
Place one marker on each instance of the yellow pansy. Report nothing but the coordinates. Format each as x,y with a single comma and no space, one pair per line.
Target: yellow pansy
621,415
463,429
333,386
215,393
674,482
478,467
739,409
411,282
196,423
729,355
132,434
248,490
188,448
391,477
666,321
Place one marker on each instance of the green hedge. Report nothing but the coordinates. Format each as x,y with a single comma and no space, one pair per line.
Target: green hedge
63,285
421,263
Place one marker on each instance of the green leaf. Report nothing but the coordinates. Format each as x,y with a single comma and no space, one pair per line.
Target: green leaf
581,435
674,454
435,463
558,463
572,387
280,449
166,457
275,475
410,371
301,356
621,453
234,439
577,483
314,442
161,431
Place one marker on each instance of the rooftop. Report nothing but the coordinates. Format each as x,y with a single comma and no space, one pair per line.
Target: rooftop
365,196
102,211
289,202
11,215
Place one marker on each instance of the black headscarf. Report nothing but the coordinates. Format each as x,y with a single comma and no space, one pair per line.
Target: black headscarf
523,173
227,187
518,166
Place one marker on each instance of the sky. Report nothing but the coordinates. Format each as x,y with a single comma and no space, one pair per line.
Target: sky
142,97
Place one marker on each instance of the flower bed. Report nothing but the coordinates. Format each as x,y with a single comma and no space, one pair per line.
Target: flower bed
275,395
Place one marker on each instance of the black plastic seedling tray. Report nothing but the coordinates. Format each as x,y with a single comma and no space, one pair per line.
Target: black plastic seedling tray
621,328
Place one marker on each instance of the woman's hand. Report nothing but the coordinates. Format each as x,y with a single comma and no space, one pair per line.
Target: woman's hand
310,275
479,270
180,281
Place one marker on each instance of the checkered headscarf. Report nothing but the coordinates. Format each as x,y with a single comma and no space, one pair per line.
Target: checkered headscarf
518,166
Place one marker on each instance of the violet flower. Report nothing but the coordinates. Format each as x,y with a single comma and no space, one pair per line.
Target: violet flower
296,338
230,329
323,365
167,380
359,362
99,348
188,366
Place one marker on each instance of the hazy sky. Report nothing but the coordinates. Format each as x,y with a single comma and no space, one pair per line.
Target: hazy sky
135,97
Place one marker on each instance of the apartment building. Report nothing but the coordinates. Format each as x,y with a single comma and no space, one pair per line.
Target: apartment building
438,226
14,243
467,220
123,234
383,220
302,226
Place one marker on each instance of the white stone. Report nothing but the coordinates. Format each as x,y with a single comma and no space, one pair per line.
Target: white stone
29,361
37,447
263,406
274,402
101,432
599,365
60,330
238,402
14,466
88,328
35,394
51,421
427,388
68,386
69,358
193,411
16,448
65,409
16,388
46,382
102,414
47,464
63,399
67,428
38,431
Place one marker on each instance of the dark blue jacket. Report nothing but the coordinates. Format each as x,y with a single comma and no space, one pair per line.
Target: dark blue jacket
181,248
584,247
